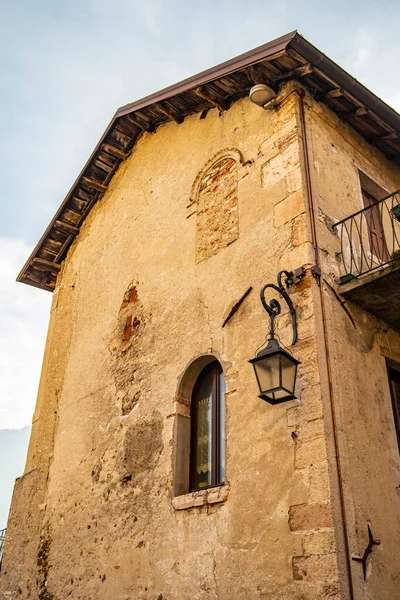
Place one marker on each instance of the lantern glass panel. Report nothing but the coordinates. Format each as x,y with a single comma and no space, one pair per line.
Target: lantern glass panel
288,373
267,371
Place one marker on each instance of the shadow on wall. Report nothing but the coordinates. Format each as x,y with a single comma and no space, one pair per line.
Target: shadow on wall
13,449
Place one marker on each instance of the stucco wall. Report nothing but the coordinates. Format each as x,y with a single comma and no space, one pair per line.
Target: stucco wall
138,299
358,345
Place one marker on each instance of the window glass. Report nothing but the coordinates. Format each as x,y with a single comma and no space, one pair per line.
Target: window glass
207,457
201,414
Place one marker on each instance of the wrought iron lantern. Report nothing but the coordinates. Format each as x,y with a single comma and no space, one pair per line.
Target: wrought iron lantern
274,367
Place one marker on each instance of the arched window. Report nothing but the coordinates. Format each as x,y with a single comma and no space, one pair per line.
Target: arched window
207,416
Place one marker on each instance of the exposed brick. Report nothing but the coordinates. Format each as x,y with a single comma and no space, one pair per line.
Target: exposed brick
217,223
130,296
128,328
310,516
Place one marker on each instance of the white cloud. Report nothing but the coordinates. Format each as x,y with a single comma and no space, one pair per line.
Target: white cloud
364,51
24,316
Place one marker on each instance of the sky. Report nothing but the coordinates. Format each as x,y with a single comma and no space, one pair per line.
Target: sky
66,66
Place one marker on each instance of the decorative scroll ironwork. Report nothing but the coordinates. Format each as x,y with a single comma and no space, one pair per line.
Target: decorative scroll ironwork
370,238
2,540
274,307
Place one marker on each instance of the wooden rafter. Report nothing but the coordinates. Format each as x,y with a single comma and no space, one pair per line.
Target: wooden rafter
139,122
45,265
114,151
66,228
358,112
255,76
173,115
206,94
335,93
95,185
294,73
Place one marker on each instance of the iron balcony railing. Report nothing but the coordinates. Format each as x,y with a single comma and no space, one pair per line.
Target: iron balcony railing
2,540
370,238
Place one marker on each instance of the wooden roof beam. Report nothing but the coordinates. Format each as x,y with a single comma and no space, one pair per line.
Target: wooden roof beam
66,228
213,98
359,112
294,73
45,265
335,93
254,75
173,115
95,185
384,136
139,122
114,151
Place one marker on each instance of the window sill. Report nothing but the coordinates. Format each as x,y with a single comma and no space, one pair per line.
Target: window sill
210,496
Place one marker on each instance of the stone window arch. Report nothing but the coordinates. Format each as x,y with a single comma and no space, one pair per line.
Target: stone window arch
215,199
199,456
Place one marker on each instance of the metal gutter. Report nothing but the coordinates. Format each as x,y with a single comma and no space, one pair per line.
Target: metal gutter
252,57
346,81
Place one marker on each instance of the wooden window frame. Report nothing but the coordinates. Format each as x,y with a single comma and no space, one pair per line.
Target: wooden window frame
394,376
216,439
376,233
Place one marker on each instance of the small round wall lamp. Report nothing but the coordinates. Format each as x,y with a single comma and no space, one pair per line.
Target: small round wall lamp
261,94
275,369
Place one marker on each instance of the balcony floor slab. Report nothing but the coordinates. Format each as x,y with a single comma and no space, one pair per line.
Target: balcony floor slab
377,292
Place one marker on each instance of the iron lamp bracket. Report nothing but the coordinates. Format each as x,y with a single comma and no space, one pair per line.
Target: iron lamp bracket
273,308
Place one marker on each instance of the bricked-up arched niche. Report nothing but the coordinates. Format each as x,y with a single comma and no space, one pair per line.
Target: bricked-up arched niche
182,427
215,199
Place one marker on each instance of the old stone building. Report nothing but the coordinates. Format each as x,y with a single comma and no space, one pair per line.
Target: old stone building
154,469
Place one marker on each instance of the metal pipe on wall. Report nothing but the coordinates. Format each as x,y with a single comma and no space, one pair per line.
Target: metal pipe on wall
303,135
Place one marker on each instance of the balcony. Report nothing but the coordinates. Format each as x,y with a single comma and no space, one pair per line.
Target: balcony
2,540
370,254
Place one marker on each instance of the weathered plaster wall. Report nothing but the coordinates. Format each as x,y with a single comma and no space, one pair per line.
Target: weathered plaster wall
358,345
133,308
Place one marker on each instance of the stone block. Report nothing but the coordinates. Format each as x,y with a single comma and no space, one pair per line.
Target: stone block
309,452
309,408
294,181
310,430
279,166
299,230
297,257
289,209
276,192
321,542
315,568
201,498
189,500
319,482
216,495
310,516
